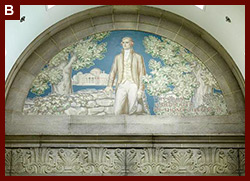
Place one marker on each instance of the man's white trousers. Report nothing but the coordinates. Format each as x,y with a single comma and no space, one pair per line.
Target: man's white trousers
126,98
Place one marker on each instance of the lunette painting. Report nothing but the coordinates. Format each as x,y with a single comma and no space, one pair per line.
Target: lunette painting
125,72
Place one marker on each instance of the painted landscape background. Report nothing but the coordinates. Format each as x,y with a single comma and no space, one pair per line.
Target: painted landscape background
177,83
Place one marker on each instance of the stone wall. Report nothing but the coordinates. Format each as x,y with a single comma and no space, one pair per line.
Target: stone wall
99,104
84,102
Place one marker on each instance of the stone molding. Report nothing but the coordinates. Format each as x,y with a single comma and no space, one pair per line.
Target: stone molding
123,141
19,124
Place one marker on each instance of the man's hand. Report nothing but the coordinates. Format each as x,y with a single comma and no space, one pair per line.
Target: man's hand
108,89
139,95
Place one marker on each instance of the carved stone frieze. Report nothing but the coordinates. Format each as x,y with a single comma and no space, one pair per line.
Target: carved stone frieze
116,161
183,161
54,161
7,161
242,161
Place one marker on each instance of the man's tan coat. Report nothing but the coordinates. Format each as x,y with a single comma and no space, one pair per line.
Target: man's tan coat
137,70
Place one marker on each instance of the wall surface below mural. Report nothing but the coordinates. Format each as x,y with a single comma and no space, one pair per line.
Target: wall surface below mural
125,72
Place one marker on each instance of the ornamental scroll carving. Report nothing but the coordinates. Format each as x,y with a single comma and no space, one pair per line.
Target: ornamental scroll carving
115,161
242,160
183,161
50,161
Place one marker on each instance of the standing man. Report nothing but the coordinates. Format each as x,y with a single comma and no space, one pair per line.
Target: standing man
129,69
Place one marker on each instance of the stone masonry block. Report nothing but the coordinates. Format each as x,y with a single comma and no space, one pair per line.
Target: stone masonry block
84,33
38,125
235,102
104,27
231,81
100,11
78,18
223,85
118,9
126,26
33,64
220,62
200,54
184,32
101,125
228,59
125,17
192,27
47,50
102,20
149,20
169,25
85,24
210,51
145,10
165,33
64,38
173,17
184,42
214,69
60,26
147,28
8,116
15,100
23,81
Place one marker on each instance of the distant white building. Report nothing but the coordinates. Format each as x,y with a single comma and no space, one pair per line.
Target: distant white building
95,77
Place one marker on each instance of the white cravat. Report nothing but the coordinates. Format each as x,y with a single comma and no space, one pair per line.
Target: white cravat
126,54
127,75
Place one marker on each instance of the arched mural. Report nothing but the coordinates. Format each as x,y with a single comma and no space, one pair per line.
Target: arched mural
125,72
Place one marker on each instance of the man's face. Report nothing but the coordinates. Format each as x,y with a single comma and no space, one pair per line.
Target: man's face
126,44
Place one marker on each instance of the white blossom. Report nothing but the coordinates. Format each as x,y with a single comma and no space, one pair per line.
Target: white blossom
177,76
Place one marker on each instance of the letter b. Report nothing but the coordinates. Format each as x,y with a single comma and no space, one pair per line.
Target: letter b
9,10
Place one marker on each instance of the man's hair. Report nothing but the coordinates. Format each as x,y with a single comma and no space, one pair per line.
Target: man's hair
130,39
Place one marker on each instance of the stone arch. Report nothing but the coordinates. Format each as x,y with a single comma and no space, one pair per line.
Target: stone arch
141,18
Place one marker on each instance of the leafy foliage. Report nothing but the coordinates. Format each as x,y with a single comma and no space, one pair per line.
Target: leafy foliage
170,105
179,73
